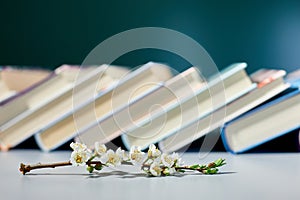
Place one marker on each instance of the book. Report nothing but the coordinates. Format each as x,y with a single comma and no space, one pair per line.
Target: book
294,78
41,102
150,103
284,143
5,92
14,83
232,82
298,143
73,123
19,78
264,123
269,83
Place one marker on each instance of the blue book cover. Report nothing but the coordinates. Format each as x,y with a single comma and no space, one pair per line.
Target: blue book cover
294,78
275,118
286,143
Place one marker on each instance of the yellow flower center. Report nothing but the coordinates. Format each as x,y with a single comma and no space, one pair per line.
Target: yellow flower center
135,155
111,159
168,159
78,159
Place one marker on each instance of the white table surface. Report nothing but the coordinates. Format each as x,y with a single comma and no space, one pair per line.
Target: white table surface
247,176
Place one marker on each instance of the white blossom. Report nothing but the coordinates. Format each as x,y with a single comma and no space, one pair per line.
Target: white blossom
155,168
169,171
78,146
136,156
100,149
123,154
153,152
169,160
111,158
79,157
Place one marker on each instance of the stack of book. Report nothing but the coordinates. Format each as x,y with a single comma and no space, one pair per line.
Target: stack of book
150,104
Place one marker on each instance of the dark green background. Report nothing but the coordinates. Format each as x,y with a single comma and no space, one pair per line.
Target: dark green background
50,33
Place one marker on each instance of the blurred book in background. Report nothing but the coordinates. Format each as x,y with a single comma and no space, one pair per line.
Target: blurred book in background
38,99
15,83
268,84
231,83
79,121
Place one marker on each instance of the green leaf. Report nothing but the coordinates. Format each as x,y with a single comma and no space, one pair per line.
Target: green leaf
166,173
90,169
220,162
195,166
98,167
211,171
202,167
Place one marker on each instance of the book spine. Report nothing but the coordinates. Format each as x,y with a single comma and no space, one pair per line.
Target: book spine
225,140
298,143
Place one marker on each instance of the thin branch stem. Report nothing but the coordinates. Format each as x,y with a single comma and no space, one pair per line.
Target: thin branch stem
27,168
189,168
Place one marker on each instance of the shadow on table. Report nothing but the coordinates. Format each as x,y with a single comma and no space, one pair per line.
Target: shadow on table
121,174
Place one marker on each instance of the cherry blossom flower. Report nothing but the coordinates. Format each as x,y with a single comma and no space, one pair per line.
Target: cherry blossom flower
100,149
111,158
155,169
169,160
153,152
79,157
169,171
136,156
123,154
78,146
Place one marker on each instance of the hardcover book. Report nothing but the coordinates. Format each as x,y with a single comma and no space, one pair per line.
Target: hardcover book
264,123
41,103
151,103
75,122
268,84
294,78
15,82
232,82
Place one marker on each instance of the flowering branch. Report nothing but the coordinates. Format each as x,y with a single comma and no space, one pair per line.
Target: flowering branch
154,164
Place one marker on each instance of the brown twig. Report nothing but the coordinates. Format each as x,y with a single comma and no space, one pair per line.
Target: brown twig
202,170
27,168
